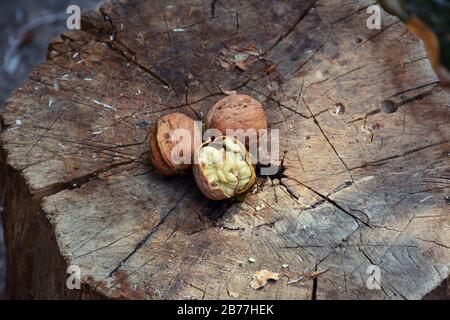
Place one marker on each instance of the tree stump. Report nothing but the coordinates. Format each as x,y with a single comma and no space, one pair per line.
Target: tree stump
364,128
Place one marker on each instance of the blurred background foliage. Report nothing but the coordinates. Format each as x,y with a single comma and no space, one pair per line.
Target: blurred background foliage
429,20
26,27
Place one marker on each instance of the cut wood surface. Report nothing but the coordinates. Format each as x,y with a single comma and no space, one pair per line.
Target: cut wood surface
359,187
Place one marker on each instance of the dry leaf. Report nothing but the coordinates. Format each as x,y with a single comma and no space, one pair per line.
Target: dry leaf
241,65
308,276
224,64
261,277
229,92
315,274
240,57
270,68
250,49
233,294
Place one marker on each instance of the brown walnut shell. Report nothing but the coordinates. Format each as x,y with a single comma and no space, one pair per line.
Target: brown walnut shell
161,143
237,111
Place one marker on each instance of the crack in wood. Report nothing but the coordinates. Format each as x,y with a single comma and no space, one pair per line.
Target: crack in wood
377,34
316,122
77,182
314,286
148,235
111,45
435,242
381,162
330,201
291,28
363,8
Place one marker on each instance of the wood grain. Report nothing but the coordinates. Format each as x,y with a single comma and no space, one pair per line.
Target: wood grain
357,188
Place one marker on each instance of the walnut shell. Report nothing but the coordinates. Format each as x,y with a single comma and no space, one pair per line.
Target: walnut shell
161,144
221,180
237,111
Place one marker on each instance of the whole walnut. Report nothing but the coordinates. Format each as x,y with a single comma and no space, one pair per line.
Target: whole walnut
237,111
163,143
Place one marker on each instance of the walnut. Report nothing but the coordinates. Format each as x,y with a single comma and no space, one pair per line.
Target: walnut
162,144
224,168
